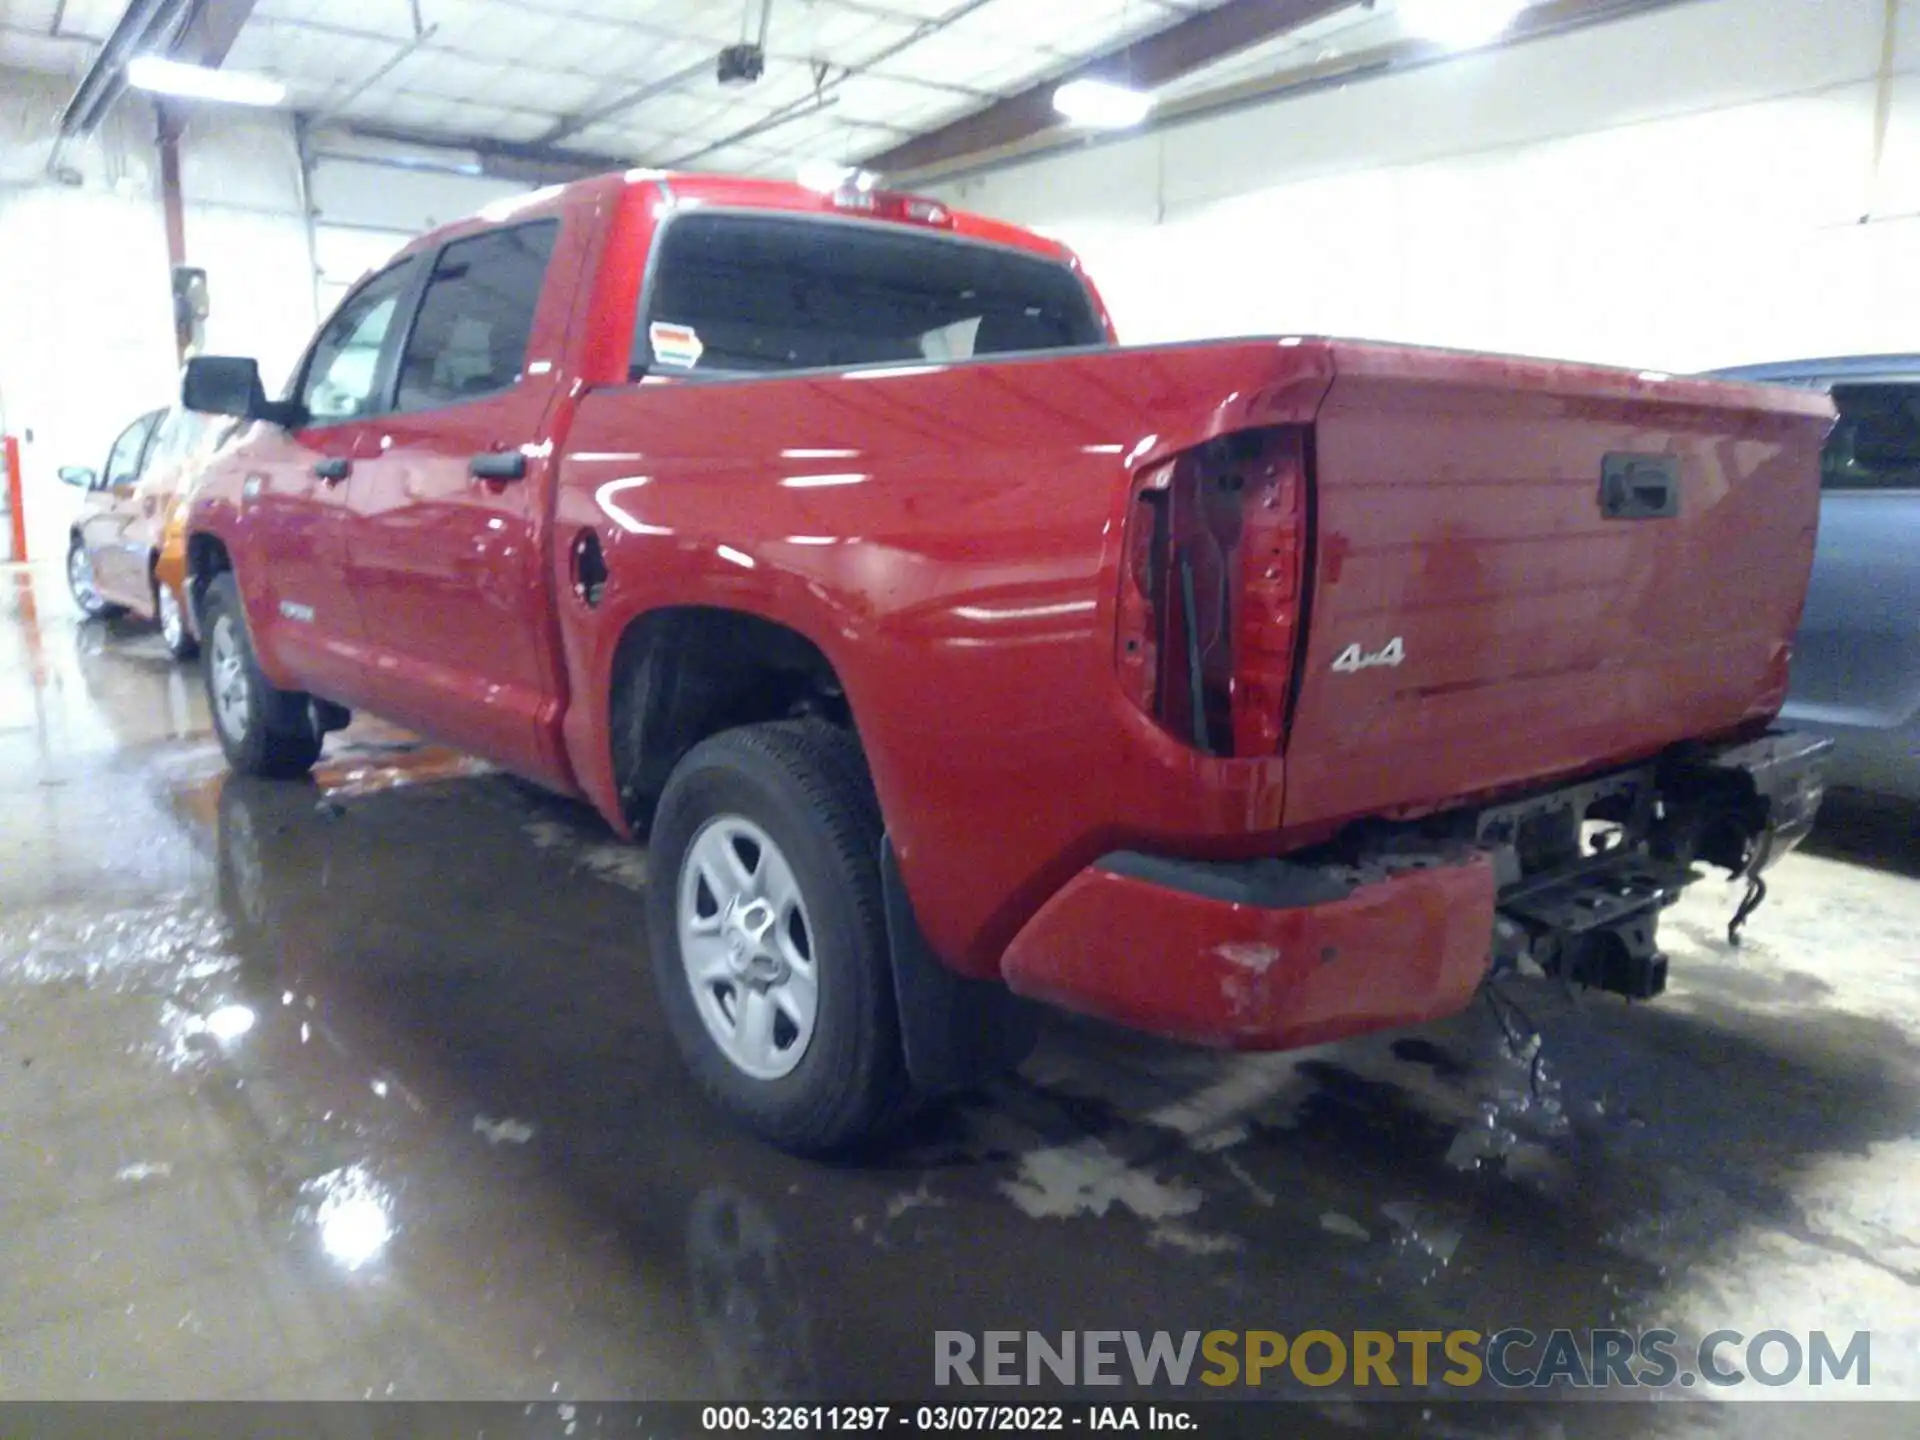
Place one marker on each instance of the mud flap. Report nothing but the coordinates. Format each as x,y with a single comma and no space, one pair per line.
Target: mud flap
956,1032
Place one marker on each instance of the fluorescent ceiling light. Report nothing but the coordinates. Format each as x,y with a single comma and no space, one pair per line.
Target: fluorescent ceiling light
170,77
1102,105
1458,23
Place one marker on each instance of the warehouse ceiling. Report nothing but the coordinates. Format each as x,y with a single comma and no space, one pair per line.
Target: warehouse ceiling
911,86
635,80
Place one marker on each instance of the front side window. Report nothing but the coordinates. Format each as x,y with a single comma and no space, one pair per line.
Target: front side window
477,317
776,292
123,461
343,369
1876,444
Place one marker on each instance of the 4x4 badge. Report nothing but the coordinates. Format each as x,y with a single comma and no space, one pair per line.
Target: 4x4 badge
1353,658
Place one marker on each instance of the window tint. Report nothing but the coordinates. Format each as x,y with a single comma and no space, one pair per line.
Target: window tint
123,461
1876,444
344,366
471,336
759,292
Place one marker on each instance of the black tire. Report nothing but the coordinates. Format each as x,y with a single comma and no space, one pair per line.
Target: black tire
180,642
271,732
87,598
804,784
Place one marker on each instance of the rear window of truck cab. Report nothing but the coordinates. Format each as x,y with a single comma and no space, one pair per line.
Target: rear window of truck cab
1876,443
734,293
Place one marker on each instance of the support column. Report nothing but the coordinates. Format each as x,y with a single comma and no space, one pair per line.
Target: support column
174,208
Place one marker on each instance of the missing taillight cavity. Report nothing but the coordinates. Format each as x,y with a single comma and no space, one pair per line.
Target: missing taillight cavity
1210,589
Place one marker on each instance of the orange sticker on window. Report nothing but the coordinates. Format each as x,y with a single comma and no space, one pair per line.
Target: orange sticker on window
674,344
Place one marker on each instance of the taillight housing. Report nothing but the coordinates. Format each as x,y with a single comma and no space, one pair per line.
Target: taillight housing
1210,590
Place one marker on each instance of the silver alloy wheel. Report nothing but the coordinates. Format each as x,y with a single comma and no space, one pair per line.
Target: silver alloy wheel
173,625
227,667
80,578
747,944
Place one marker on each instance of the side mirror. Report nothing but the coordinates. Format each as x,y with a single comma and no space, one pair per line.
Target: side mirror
222,385
230,385
77,475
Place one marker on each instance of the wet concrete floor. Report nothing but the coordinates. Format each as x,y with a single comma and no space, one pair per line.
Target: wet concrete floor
357,1089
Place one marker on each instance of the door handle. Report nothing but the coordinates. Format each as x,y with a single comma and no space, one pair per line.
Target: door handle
333,469
498,465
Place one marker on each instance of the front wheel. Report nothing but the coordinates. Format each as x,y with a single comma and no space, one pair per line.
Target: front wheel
173,622
86,594
769,936
264,730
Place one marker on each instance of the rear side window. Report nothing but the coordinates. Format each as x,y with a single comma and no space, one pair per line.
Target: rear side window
476,317
770,292
1876,444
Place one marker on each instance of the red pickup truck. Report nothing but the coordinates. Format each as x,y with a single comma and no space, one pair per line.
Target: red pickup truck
950,656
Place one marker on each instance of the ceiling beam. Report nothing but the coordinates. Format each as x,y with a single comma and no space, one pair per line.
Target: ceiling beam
210,34
1181,48
1542,20
527,160
139,25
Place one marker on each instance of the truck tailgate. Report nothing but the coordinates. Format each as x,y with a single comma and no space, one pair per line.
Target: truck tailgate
1526,569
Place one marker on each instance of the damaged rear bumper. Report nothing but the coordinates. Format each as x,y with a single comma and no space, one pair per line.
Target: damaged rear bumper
1262,955
1401,923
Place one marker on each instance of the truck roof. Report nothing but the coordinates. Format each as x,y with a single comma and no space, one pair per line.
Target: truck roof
749,193
1827,371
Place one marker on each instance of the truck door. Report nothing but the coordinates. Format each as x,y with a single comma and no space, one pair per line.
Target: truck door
296,492
447,525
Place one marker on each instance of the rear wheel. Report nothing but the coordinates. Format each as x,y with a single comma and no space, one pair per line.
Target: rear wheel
173,622
769,935
80,582
264,731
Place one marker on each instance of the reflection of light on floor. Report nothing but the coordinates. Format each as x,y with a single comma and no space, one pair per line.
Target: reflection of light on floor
375,756
352,1217
185,1031
229,1023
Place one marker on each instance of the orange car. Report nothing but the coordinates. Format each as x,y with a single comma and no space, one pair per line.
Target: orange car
118,558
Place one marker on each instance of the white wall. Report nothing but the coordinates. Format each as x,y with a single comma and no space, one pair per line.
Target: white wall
1677,191
370,198
86,326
